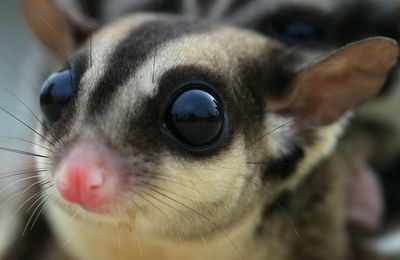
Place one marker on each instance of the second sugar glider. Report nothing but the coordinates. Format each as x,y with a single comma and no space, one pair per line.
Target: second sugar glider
169,137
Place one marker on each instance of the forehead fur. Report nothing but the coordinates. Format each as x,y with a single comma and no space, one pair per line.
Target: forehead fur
220,50
104,43
114,85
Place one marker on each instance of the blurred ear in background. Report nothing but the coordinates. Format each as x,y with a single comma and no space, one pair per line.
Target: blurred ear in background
60,25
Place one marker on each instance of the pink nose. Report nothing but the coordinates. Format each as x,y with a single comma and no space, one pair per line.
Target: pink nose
84,177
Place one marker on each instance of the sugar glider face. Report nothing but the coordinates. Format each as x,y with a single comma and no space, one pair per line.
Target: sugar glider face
157,116
176,127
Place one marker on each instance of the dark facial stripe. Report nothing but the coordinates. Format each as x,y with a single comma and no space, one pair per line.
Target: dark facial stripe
79,64
282,168
133,51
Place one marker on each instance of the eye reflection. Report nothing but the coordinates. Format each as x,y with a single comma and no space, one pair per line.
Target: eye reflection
55,94
196,117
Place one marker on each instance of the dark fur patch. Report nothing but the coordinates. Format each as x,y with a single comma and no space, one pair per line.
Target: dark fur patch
146,129
266,77
390,178
361,19
79,64
269,76
277,25
378,130
159,6
133,51
33,245
93,7
90,7
170,6
390,82
282,168
280,204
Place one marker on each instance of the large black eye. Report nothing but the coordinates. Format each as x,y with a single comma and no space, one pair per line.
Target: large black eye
299,32
195,117
301,28
55,94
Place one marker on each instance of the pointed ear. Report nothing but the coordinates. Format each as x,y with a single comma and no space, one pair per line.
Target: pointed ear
324,90
59,25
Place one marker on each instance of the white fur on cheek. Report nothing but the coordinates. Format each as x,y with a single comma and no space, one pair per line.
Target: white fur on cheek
211,187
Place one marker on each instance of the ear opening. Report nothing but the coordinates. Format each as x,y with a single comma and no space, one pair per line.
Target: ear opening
58,24
324,90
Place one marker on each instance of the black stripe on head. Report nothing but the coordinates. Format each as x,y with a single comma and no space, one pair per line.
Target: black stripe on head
282,168
78,64
134,50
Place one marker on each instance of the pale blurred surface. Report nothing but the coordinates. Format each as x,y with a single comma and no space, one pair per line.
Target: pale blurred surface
14,48
13,38
15,45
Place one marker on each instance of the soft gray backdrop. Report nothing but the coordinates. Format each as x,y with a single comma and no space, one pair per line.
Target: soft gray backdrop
15,49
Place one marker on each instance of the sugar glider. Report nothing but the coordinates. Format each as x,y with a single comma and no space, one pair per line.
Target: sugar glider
171,137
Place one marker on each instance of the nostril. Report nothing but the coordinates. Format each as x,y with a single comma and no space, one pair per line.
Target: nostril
86,176
82,182
95,180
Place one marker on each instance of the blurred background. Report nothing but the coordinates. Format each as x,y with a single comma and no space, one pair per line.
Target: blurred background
17,82
13,36
15,45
